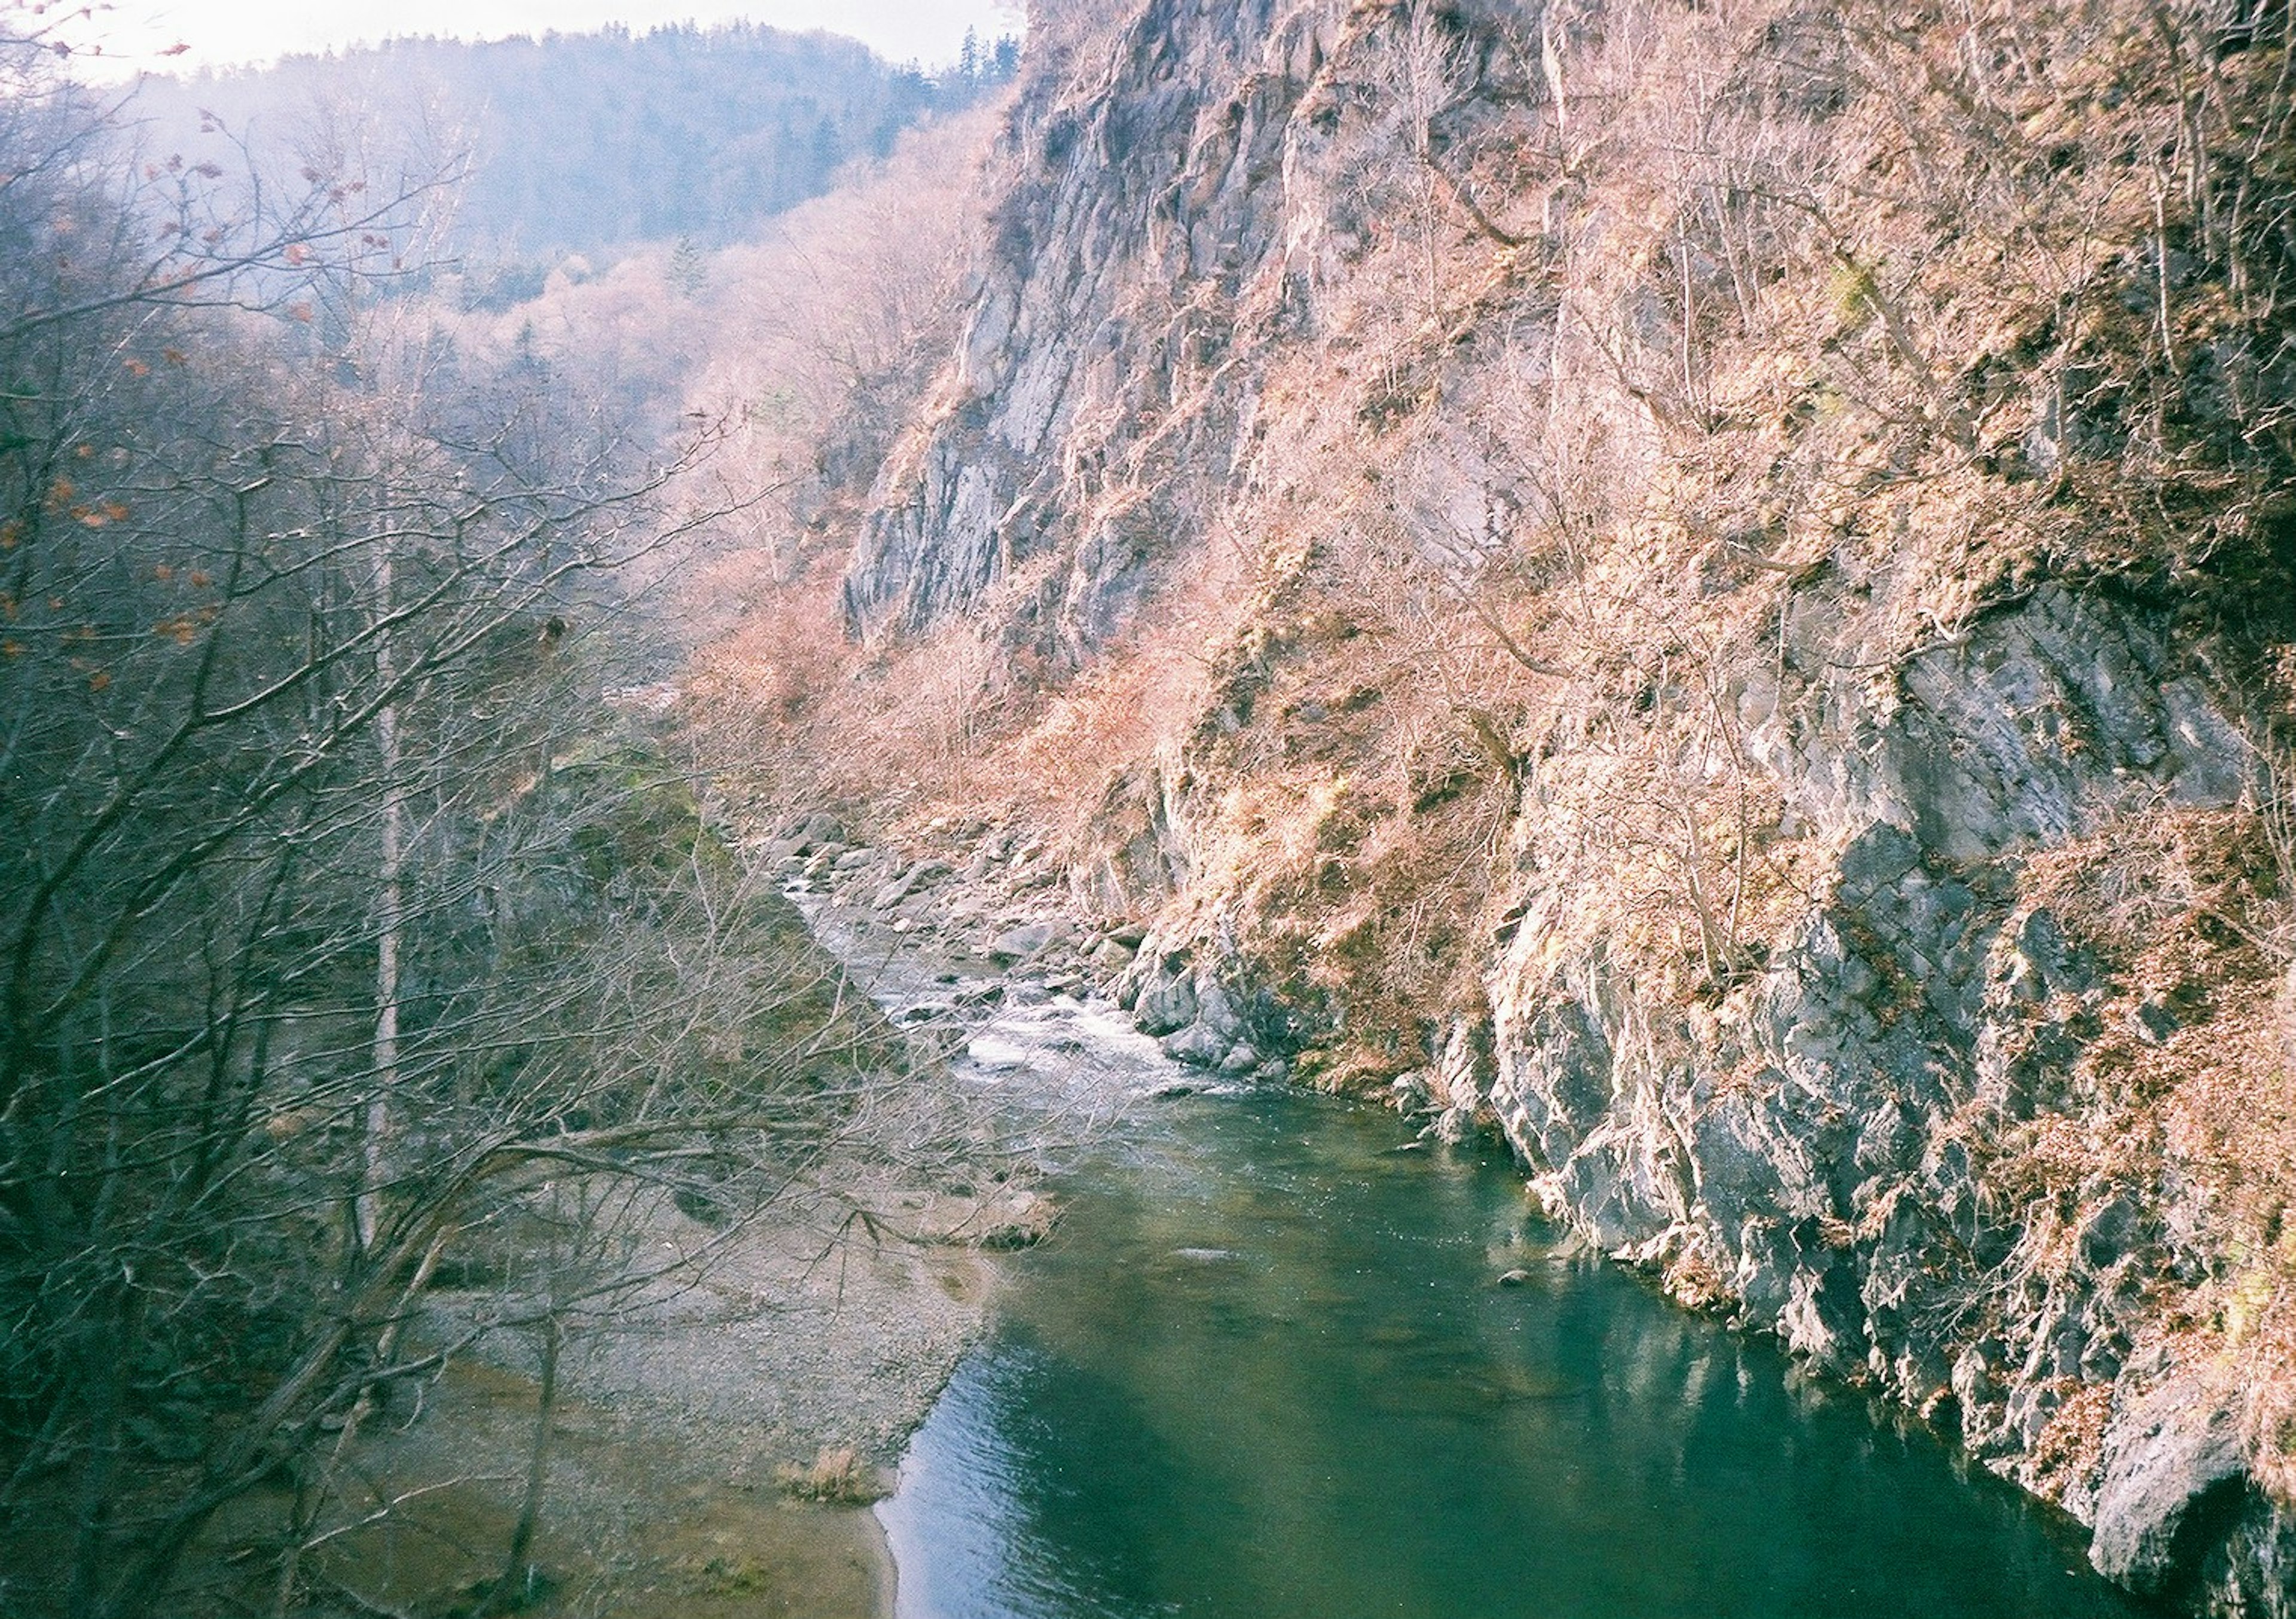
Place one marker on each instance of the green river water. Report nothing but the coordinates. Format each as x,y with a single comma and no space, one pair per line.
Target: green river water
1264,1370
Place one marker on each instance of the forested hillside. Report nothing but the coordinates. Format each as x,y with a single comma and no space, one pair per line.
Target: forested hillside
583,142
376,991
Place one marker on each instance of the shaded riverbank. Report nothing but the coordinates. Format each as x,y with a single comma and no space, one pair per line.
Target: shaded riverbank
803,1337
817,1330
633,1527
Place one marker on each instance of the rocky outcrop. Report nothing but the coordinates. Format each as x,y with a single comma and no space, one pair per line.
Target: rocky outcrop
1893,1142
1836,1164
2172,1458
1103,384
1206,1011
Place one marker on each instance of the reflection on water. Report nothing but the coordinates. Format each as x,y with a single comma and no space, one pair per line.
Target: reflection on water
1263,1370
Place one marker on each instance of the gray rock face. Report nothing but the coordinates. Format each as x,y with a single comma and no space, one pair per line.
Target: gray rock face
1189,1003
1815,1167
2168,1457
1100,377
2177,1517
1160,990
1196,1045
2028,729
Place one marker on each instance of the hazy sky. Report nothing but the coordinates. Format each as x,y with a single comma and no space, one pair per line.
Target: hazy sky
227,31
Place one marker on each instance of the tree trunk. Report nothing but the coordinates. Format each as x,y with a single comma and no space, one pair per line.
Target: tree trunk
390,921
509,1592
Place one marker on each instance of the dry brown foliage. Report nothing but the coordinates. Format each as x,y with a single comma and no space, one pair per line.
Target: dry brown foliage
2185,914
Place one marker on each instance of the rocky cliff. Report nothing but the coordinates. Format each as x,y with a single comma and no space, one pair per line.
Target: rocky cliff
1711,589
1106,359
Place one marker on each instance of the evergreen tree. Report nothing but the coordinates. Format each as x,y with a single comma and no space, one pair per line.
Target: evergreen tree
689,270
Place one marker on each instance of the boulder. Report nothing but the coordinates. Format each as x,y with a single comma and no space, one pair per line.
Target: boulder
1197,1045
1021,943
1215,1010
1242,1058
1165,1003
2166,1456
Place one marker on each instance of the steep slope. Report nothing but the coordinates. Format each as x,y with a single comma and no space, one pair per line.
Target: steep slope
1108,353
1713,589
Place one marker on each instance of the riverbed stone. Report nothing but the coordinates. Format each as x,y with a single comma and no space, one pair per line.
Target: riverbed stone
1242,1058
1022,943
1197,1045
821,828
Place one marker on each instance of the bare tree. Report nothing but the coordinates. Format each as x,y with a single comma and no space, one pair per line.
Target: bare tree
340,918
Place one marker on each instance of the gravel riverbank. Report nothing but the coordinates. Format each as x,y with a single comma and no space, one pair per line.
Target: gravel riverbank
803,1343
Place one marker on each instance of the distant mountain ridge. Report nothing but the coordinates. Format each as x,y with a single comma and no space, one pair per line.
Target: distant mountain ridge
584,142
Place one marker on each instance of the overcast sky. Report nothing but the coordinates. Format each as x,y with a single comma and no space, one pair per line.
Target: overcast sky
222,32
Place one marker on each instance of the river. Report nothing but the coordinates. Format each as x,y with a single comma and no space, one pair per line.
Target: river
1266,1368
